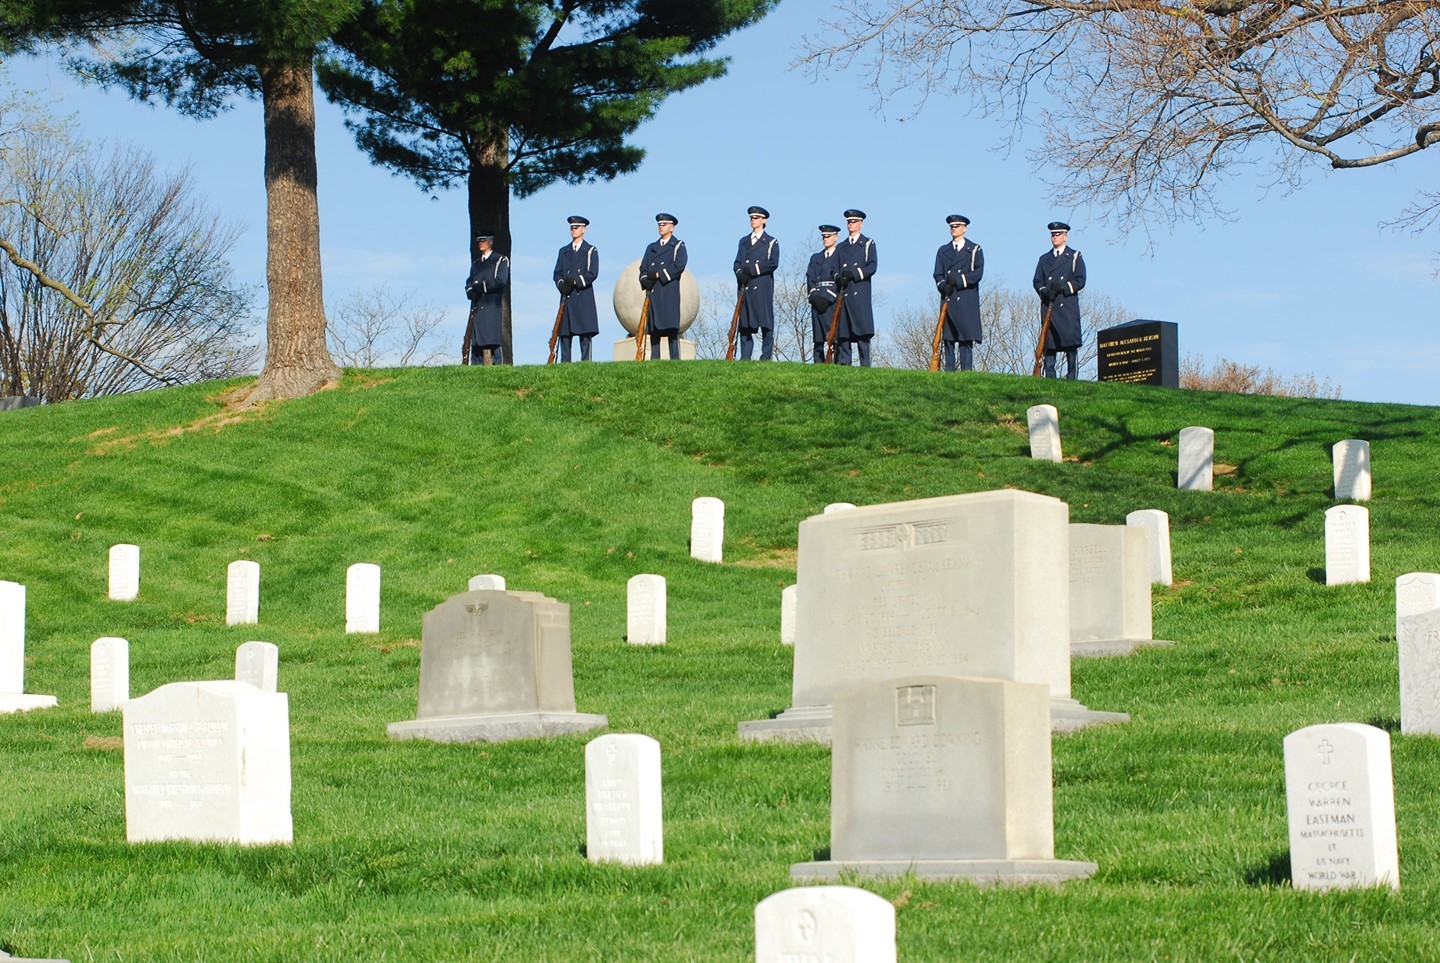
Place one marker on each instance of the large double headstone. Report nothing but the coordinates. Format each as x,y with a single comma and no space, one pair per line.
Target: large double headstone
495,666
13,697
1110,610
972,585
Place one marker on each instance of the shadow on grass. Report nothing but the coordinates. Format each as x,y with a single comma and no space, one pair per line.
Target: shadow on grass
1316,575
1274,872
1384,722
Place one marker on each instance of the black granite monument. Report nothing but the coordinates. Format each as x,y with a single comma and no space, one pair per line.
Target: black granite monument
1140,352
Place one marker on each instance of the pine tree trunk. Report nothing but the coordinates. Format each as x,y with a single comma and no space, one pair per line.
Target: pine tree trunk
489,208
297,361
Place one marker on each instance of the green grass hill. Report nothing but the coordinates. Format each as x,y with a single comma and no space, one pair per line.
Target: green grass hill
569,480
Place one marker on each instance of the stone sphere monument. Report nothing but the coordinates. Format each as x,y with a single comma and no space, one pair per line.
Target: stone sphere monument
630,297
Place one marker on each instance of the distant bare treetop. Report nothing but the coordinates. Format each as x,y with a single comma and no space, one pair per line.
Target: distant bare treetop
1201,374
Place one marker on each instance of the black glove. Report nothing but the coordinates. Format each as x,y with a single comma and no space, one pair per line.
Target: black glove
741,275
1057,287
948,287
571,285
560,285
647,282
821,301
847,274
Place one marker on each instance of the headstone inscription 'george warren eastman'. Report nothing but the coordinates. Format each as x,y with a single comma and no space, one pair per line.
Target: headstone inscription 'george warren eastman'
645,616
834,924
12,653
707,529
1157,524
1109,590
1415,592
362,598
124,583
1139,352
973,585
208,762
242,593
1197,459
1350,461
945,778
624,821
1044,424
1347,544
495,666
1419,646
109,674
1340,801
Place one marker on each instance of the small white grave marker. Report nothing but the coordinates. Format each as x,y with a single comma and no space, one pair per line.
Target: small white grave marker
645,610
1351,465
1419,642
1157,523
124,572
1197,459
109,674
362,598
12,653
1347,544
1044,422
836,924
622,800
258,663
707,529
1415,592
789,606
1340,801
242,593
487,583
834,507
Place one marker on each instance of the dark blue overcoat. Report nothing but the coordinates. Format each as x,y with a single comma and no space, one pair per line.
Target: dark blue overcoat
581,267
485,287
664,263
820,287
963,269
1059,280
755,266
857,266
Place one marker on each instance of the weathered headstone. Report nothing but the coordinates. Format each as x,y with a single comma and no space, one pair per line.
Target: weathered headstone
12,653
1340,802
834,507
1044,422
124,572
495,666
1110,610
1351,466
1197,460
242,593
707,529
1157,525
833,924
362,598
208,762
1419,645
623,815
258,664
1415,592
645,610
487,583
1347,544
975,585
943,777
789,604
109,674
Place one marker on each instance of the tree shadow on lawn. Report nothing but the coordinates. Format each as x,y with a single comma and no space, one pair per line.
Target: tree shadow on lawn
1274,872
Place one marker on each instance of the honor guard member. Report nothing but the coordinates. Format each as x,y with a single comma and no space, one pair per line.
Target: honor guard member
857,267
959,266
485,287
1059,279
576,268
755,264
660,271
822,289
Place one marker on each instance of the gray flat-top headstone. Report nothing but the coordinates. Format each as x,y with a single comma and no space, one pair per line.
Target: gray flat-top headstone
623,804
1415,592
1347,544
789,606
208,762
645,616
495,666
1110,610
362,598
1419,644
1044,423
242,593
487,583
1197,459
109,674
834,924
124,572
943,777
1340,804
1157,525
834,507
1350,461
258,663
707,529
13,697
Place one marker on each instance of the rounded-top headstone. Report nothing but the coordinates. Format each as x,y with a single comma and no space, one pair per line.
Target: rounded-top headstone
629,298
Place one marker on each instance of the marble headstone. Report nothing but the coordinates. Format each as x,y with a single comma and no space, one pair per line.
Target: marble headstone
1415,592
1197,459
109,674
1419,644
124,572
208,762
1347,544
258,663
707,529
645,610
1110,610
1157,524
1340,804
623,817
834,924
487,583
789,605
1044,422
834,507
362,598
1351,465
242,593
12,653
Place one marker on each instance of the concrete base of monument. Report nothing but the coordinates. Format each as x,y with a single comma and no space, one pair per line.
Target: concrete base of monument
20,702
497,726
625,350
814,723
981,872
1100,648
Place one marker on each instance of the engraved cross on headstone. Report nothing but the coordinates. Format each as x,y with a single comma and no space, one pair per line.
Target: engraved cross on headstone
1325,750
805,926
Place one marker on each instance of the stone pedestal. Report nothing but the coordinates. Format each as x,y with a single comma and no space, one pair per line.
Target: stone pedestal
625,350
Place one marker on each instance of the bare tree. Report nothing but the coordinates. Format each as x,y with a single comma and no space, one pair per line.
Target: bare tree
374,329
1200,374
114,277
1152,102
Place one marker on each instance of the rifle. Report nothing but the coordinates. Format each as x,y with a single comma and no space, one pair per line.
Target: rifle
555,332
1040,348
735,325
939,332
469,336
640,331
834,329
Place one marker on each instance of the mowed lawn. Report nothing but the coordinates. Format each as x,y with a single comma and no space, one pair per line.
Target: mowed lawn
569,480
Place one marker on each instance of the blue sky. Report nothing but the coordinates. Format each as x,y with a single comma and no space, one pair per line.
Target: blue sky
1305,282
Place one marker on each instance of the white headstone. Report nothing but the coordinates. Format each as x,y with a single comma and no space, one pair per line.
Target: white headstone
1110,611
1415,592
623,820
1340,800
1197,459
707,529
124,572
1347,544
1044,422
242,593
12,653
109,674
258,663
362,598
834,507
1351,465
834,924
1419,641
645,610
1157,524
789,605
208,762
487,583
